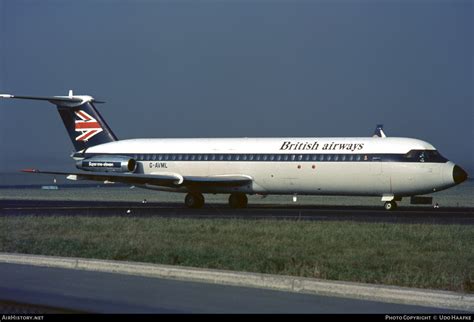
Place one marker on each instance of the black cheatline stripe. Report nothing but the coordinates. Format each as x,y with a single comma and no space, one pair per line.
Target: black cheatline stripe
269,157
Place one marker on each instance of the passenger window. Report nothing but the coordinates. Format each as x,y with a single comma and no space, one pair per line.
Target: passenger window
244,157
328,157
237,157
343,157
306,157
173,157
314,157
264,157
229,157
272,157
285,157
192,157
250,157
336,157
279,157
293,157
321,157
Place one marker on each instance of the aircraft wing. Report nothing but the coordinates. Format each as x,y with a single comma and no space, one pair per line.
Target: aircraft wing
221,181
166,180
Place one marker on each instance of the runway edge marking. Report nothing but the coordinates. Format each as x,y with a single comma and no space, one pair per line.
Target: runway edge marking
373,292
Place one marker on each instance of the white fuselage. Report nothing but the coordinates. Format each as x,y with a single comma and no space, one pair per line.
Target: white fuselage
313,166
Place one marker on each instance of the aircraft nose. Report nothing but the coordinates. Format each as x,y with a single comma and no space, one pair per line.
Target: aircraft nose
459,175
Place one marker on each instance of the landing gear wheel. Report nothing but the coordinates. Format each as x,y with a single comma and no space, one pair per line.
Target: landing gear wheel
238,200
194,200
390,205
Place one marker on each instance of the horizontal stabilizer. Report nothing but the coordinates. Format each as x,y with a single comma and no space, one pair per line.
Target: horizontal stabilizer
71,100
84,124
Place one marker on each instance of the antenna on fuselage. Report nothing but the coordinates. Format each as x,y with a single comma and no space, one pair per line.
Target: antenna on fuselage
379,131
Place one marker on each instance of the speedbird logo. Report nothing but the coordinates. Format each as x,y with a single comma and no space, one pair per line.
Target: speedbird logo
87,125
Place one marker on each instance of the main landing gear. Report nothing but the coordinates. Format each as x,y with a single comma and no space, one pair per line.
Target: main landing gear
196,200
238,200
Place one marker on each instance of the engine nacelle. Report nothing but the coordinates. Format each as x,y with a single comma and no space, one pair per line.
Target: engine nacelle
106,163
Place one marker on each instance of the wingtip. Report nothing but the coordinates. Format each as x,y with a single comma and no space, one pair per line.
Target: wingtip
6,96
30,170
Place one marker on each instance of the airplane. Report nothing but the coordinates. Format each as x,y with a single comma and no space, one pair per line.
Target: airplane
387,167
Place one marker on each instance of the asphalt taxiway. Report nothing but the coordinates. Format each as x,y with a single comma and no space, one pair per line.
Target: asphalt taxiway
33,288
454,215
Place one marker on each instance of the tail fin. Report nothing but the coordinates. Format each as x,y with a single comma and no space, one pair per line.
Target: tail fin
83,122
85,126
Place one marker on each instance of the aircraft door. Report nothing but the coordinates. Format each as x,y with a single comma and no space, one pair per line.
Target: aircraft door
375,164
380,173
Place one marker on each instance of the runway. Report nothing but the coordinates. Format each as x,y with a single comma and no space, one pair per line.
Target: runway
426,215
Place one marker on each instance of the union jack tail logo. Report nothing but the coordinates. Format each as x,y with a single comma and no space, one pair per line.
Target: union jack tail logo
87,125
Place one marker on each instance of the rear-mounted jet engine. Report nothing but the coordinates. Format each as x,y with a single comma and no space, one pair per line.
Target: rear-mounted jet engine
108,164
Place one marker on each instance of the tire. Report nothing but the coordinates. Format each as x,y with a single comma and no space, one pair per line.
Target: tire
194,200
390,205
238,200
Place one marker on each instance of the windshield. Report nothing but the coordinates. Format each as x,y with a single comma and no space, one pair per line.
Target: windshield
425,156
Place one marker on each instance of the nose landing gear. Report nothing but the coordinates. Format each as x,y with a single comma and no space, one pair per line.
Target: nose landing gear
390,205
390,201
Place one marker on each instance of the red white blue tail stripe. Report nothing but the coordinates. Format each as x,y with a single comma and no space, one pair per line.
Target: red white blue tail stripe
87,125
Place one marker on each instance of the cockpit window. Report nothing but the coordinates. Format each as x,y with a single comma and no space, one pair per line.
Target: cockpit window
424,156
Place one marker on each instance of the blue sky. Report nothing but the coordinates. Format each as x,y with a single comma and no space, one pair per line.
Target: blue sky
238,69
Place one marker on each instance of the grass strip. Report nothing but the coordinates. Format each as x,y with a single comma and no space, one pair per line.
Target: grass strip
422,255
